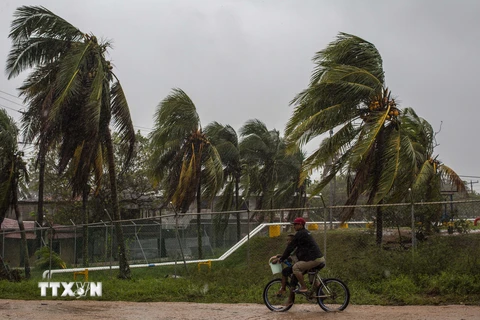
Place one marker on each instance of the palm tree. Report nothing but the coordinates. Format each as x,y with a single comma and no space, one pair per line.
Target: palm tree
73,96
431,174
13,171
225,140
348,94
291,190
184,161
264,153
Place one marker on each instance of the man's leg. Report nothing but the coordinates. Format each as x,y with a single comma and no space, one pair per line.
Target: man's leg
299,268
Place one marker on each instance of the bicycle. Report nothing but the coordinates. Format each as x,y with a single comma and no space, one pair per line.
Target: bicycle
331,294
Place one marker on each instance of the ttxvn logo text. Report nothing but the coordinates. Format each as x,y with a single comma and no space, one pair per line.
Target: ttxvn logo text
71,289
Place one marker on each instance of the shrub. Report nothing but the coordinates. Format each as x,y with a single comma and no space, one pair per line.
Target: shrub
43,261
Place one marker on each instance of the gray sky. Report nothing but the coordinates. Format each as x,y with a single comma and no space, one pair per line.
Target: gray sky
239,60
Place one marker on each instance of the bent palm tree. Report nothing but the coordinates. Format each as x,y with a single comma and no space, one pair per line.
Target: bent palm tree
12,171
184,161
347,93
264,154
291,191
431,174
73,95
225,140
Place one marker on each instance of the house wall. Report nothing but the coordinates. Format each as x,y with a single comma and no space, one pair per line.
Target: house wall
10,250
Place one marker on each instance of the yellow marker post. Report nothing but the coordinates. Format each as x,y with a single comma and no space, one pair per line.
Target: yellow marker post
83,273
207,263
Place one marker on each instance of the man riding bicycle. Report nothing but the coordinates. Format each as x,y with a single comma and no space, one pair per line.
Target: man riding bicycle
307,251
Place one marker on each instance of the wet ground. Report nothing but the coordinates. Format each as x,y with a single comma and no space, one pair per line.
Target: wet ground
82,309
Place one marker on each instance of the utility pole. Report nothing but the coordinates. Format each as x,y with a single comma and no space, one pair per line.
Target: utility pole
471,181
471,185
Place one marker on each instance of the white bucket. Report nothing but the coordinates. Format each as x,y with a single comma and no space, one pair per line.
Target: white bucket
276,268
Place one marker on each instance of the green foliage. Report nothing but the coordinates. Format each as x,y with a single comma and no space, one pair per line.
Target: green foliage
438,273
43,261
183,160
463,225
73,97
270,171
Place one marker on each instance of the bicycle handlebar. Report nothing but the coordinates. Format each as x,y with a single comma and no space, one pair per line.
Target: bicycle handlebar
288,263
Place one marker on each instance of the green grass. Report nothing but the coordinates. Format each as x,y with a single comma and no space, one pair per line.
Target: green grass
442,270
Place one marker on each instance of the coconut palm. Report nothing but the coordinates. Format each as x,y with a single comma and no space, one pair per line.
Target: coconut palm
431,174
184,161
225,140
264,154
73,95
348,94
291,190
13,171
40,94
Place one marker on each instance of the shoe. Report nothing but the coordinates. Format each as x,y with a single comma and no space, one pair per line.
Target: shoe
280,293
298,290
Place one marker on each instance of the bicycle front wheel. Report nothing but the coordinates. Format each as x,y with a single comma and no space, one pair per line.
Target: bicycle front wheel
273,300
333,295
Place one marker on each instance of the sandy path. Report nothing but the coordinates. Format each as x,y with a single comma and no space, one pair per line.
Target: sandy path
81,309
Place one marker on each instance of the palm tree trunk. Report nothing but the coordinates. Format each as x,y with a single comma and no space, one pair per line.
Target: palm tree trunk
124,268
24,246
85,226
199,221
41,188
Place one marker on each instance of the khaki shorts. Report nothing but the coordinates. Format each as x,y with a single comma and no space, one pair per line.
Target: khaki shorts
303,266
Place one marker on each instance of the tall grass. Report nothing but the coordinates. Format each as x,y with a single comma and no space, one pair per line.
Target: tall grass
441,270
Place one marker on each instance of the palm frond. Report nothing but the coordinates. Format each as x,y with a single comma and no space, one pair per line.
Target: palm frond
69,78
423,177
367,138
390,161
449,175
39,37
253,127
348,50
122,119
212,176
39,21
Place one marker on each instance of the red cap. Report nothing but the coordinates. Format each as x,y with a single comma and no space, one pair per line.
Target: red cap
300,221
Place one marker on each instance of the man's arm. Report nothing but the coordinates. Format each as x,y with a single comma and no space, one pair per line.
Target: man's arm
291,246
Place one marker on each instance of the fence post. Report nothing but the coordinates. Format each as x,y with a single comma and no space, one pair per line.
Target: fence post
111,240
248,236
74,243
413,220
324,227
178,239
106,241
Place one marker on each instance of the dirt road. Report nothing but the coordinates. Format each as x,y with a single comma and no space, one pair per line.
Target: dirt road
81,309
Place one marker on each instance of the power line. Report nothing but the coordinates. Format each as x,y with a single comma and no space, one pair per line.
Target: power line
1,105
145,128
11,95
18,104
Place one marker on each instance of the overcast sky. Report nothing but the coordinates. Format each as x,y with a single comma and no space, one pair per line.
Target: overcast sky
240,60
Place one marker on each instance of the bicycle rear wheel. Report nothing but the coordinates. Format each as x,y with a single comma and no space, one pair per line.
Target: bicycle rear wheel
333,295
272,300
